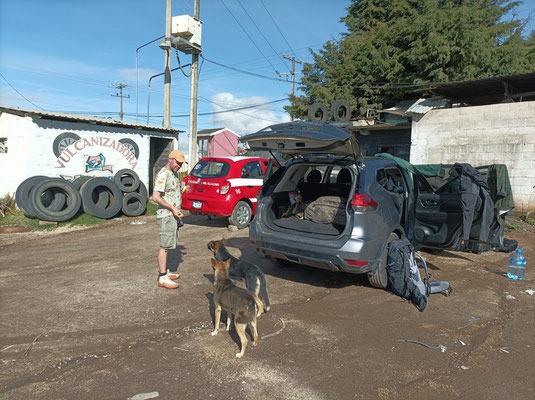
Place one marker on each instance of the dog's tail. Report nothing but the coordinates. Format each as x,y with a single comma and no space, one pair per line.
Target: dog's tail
264,295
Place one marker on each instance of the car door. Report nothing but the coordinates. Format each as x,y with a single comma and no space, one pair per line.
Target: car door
252,174
438,213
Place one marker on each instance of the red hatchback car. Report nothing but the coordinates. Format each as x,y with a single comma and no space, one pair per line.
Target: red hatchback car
225,186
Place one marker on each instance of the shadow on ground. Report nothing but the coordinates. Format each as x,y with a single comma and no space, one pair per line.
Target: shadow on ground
174,258
204,220
296,272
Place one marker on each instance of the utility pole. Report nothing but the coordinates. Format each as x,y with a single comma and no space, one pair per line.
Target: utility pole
192,151
167,87
120,86
293,60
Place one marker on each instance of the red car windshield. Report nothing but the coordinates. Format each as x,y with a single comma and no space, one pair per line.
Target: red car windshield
210,169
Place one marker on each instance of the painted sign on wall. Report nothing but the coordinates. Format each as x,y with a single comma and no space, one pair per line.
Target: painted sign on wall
92,154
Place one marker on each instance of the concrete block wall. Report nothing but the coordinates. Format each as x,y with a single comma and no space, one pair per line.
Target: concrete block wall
481,135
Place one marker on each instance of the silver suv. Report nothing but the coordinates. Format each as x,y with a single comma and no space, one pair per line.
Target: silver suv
359,205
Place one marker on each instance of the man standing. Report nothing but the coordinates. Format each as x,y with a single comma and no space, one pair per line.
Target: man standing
166,193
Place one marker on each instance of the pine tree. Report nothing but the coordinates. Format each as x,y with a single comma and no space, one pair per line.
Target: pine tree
394,46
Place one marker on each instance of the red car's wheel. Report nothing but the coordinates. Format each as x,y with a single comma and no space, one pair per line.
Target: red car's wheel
241,216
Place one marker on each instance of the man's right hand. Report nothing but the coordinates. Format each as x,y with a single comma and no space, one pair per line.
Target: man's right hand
177,213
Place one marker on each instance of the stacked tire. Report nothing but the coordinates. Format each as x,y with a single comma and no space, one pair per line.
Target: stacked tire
135,194
55,199
49,199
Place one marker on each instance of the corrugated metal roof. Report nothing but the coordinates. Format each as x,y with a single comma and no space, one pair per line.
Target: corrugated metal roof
208,131
421,106
213,132
86,119
497,89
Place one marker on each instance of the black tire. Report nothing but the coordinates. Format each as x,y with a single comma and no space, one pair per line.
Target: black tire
62,141
51,199
127,180
341,110
124,176
133,204
315,109
131,145
241,215
56,185
78,182
102,197
142,190
91,192
379,278
23,192
54,199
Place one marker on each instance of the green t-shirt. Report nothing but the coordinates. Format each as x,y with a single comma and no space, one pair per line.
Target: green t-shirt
167,183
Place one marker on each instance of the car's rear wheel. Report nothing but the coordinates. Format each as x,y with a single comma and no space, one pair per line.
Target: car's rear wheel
379,278
241,216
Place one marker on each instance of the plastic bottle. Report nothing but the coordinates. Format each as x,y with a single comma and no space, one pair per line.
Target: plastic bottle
517,265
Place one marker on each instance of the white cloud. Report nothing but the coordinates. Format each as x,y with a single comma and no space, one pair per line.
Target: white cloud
248,120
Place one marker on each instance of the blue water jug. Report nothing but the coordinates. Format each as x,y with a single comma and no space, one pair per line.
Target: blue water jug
517,265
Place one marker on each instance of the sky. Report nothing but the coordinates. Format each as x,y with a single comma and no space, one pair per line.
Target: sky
67,56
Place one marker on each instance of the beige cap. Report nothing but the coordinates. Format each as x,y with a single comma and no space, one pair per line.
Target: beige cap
178,155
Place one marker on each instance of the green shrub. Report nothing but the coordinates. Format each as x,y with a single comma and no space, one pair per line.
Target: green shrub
512,226
151,208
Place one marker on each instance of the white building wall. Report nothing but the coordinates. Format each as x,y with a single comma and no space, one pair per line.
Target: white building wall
482,135
97,152
14,167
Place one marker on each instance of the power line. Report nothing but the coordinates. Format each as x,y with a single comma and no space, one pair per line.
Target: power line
249,36
235,109
178,115
258,29
20,94
239,112
277,26
243,71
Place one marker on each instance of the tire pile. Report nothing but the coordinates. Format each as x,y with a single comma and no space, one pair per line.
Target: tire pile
56,199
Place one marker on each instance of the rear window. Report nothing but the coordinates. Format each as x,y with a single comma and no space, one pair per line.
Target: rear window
210,169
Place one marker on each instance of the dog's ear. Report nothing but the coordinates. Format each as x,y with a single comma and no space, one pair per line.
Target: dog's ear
224,241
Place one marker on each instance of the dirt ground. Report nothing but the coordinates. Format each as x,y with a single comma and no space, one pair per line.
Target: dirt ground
82,318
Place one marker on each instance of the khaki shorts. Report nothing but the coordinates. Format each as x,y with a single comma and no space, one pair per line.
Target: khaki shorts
168,232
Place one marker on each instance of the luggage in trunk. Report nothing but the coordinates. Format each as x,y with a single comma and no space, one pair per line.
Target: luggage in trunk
327,210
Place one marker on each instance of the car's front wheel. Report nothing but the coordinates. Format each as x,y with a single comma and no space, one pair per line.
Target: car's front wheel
379,278
241,216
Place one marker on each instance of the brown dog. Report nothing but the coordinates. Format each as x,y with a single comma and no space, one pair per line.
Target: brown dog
255,281
235,301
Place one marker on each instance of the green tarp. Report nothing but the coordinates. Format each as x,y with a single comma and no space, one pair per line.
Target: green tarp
496,175
424,169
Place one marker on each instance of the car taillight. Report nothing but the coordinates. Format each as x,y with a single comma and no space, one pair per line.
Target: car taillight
363,202
225,187
187,189
357,263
